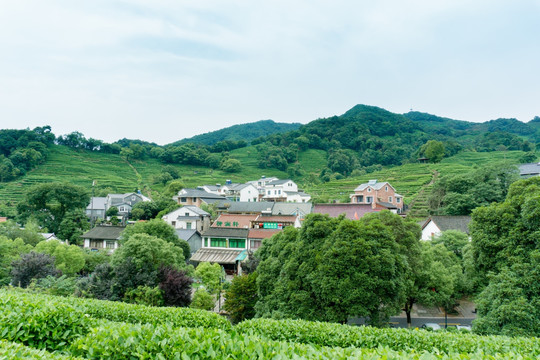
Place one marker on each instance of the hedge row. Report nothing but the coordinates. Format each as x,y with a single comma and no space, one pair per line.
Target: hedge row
118,341
130,313
335,335
10,351
39,323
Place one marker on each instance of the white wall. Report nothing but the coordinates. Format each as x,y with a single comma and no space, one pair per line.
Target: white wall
431,230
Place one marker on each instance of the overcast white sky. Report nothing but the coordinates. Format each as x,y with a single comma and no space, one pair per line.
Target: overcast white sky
163,70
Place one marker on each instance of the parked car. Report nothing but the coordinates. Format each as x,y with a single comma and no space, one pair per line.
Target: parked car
432,326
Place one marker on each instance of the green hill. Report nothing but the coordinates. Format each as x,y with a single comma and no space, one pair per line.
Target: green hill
328,157
246,132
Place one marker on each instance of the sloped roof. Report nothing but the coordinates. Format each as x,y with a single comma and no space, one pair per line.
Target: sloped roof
460,223
282,208
373,184
243,221
195,209
239,207
97,203
199,193
238,187
220,256
262,233
387,205
185,234
278,182
529,169
226,232
104,233
351,211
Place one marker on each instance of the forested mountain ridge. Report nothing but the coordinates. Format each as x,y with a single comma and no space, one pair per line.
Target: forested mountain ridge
246,132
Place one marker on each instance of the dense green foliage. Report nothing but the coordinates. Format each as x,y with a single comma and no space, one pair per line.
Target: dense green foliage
334,268
11,350
241,297
171,333
459,194
242,132
325,334
22,150
506,256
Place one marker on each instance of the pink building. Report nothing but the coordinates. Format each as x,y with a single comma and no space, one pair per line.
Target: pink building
377,193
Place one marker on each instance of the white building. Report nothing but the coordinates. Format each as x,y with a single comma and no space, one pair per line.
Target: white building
188,217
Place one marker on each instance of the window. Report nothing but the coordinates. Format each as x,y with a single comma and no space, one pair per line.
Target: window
279,192
183,199
122,209
386,188
369,199
173,223
110,244
368,189
269,192
255,244
398,200
188,225
218,242
133,198
390,199
186,214
237,243
360,198
96,244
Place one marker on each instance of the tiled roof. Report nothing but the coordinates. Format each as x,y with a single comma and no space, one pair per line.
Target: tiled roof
234,221
198,193
351,211
239,207
196,210
220,256
226,232
104,233
96,203
292,208
262,233
460,223
529,169
185,234
373,184
278,182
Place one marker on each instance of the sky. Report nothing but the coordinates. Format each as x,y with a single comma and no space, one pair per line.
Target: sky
164,70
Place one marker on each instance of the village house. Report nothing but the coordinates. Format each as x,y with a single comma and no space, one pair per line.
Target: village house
103,237
197,197
378,193
188,217
529,170
234,192
436,225
97,209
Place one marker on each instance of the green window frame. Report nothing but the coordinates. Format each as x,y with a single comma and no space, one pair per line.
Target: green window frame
218,242
237,243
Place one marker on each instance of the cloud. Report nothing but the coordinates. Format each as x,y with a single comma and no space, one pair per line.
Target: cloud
139,69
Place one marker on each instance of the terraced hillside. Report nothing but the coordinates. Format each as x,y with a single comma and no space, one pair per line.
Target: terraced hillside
413,181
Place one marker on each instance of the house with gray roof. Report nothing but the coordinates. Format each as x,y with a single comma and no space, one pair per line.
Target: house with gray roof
295,208
188,217
529,170
197,197
103,237
193,238
97,209
436,225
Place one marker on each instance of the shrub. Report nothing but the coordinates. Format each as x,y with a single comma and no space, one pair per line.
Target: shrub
144,295
176,287
203,300
32,266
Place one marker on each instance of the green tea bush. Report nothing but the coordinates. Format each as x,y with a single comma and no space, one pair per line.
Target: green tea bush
40,322
10,350
131,313
127,341
335,335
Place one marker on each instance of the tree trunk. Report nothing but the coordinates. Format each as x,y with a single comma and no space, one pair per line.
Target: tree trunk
408,308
